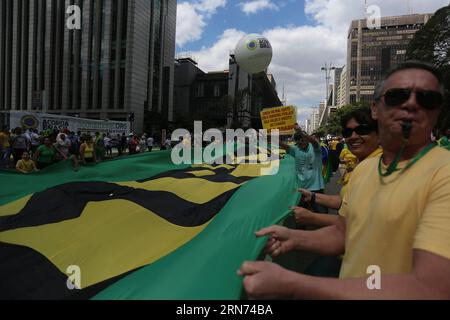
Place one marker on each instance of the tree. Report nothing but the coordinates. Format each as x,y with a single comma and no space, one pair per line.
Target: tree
333,125
432,44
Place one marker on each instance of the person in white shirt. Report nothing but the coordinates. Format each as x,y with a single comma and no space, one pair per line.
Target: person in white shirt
150,141
168,144
108,145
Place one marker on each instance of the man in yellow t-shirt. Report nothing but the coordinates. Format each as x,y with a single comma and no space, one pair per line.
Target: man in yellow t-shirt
394,225
26,165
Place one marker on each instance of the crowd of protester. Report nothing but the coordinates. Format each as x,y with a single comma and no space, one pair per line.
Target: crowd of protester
29,151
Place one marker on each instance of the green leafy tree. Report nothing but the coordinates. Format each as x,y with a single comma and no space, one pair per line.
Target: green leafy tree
333,125
432,44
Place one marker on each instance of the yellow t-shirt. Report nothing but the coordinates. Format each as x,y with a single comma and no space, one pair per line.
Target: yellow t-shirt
4,140
385,222
27,166
346,178
89,151
333,144
350,157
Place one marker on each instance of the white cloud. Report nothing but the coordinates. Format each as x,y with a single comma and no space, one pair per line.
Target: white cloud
337,14
192,19
216,57
190,24
299,52
210,6
253,6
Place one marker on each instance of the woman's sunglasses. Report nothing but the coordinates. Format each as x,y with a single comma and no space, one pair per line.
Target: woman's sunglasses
361,130
428,100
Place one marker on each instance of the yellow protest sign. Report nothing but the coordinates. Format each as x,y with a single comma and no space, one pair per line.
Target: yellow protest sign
281,118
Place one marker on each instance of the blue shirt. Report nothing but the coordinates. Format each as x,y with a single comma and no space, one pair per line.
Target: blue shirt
308,164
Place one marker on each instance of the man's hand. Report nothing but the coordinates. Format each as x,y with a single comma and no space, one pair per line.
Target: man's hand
302,216
265,280
306,195
280,240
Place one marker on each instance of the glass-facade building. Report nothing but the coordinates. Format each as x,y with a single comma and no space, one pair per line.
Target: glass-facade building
120,61
372,52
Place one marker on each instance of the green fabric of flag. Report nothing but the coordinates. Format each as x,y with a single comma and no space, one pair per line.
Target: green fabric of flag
137,227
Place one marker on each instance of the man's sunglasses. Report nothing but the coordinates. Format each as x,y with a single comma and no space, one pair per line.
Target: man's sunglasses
428,100
361,130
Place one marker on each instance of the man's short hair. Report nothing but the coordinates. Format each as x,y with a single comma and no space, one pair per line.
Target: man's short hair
410,64
362,116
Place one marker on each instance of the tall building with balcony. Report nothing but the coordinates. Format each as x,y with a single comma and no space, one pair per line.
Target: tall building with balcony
342,91
120,61
372,52
335,84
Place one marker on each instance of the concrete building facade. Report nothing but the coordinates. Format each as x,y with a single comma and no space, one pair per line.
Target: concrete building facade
342,91
372,52
221,99
120,61
335,84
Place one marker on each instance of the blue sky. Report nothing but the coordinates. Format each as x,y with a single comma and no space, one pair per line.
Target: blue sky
290,12
304,35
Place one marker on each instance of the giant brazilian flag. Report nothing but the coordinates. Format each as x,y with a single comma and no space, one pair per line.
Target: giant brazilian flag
137,227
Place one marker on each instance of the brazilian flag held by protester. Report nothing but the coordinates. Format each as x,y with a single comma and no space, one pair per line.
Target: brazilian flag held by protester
326,163
137,227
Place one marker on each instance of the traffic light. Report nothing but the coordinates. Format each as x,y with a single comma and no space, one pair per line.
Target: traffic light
131,116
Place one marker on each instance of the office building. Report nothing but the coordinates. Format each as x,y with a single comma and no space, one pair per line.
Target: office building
120,61
372,52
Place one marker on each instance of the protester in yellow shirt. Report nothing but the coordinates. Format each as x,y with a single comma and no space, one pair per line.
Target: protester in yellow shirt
26,165
395,218
5,147
348,161
360,132
4,139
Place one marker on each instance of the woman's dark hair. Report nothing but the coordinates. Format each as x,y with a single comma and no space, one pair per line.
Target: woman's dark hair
362,116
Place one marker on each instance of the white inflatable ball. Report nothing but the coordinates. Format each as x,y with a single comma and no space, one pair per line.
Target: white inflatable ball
253,53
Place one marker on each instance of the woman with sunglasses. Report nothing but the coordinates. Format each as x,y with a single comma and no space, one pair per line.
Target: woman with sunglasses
360,133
